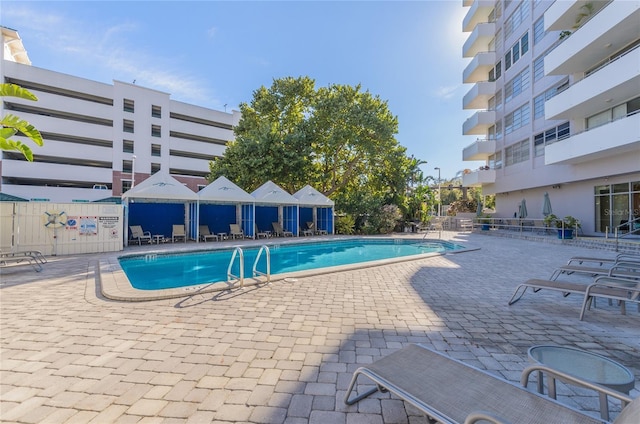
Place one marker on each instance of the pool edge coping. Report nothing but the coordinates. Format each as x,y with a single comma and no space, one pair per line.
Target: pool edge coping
114,284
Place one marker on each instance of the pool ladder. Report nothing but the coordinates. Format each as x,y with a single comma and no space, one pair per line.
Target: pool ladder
239,254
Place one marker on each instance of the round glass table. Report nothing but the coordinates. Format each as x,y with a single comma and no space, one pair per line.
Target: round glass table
585,365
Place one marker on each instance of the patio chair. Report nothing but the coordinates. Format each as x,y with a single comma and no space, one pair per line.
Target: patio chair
279,231
137,234
305,232
450,391
313,228
178,233
205,234
620,257
235,231
260,234
614,288
618,269
35,254
9,258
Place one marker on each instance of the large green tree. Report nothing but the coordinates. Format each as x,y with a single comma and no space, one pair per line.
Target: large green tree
338,138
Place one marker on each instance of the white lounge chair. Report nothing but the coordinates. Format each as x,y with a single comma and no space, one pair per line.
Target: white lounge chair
620,289
450,391
235,231
260,234
205,234
178,233
138,235
279,231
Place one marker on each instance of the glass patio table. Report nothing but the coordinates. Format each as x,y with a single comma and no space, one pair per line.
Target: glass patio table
585,365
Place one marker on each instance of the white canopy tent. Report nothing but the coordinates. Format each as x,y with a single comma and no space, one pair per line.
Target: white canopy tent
224,192
315,207
155,204
270,196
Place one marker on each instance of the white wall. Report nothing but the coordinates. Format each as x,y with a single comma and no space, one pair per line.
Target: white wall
80,227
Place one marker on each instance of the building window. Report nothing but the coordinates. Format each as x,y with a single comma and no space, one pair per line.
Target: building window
127,166
495,72
517,119
127,126
617,205
156,111
538,68
550,136
126,185
495,160
127,146
516,153
538,107
517,51
617,112
155,167
498,129
128,105
499,100
517,17
538,31
517,85
156,150
156,131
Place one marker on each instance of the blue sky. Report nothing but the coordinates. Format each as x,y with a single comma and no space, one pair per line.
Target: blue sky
216,53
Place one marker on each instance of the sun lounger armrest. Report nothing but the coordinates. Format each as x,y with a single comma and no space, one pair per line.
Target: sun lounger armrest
567,378
484,416
615,283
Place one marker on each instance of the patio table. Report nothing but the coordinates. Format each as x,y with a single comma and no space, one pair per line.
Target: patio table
584,365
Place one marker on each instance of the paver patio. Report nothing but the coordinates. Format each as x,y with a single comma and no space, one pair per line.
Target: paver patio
285,353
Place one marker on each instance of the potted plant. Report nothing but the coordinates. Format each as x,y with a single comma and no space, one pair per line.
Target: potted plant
565,225
485,220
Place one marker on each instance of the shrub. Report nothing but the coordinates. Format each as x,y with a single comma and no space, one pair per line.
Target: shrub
345,224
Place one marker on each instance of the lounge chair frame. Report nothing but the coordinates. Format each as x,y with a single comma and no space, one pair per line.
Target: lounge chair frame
178,232
450,391
614,288
205,233
7,258
137,234
235,231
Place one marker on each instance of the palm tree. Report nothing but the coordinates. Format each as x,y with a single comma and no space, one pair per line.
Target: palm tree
12,125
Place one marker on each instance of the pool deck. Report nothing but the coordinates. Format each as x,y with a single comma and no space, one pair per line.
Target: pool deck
285,352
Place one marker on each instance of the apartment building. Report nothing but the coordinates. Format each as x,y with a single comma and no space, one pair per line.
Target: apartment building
101,138
556,91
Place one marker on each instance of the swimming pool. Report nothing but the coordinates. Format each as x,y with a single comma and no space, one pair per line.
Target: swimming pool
172,270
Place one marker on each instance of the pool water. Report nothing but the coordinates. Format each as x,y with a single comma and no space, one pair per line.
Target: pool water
162,271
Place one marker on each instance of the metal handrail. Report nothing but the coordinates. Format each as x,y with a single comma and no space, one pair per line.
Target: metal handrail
628,224
263,248
236,252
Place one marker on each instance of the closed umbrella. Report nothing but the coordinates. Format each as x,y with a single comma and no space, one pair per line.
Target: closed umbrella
523,209
546,206
479,210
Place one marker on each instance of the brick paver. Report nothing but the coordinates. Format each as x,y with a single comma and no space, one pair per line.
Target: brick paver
284,353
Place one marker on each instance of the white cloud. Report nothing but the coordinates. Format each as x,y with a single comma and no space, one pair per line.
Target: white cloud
447,92
108,50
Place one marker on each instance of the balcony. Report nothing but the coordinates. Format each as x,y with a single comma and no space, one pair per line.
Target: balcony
479,67
479,177
608,86
479,95
480,150
562,15
479,122
479,12
618,137
613,28
479,39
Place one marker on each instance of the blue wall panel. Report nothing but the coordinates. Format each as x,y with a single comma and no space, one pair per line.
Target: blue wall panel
306,215
218,217
158,218
265,215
